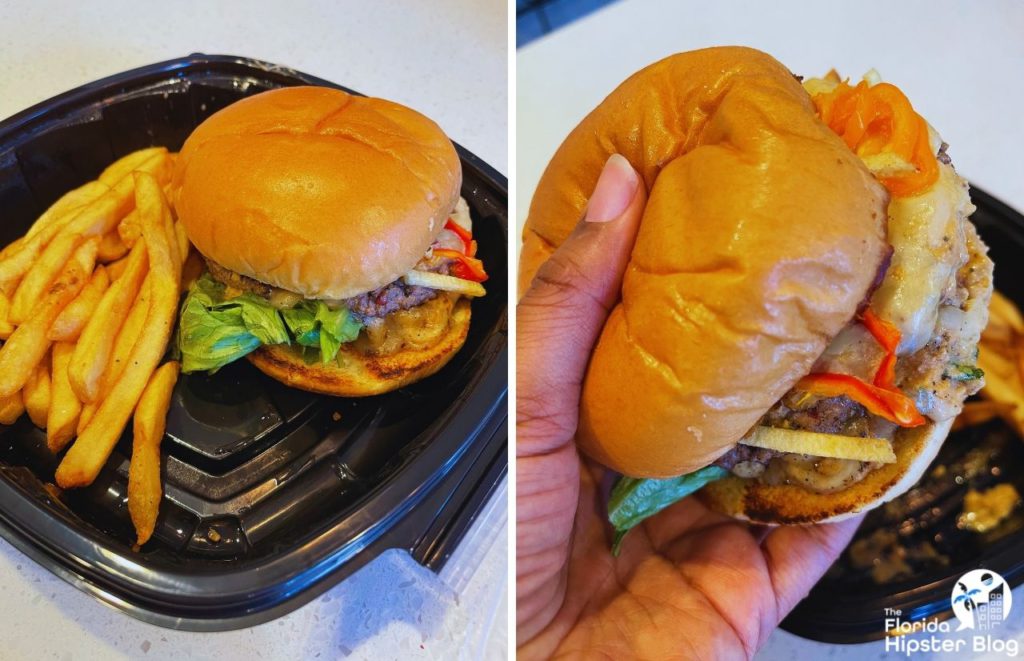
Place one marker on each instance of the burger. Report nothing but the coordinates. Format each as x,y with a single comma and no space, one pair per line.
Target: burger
339,257
799,319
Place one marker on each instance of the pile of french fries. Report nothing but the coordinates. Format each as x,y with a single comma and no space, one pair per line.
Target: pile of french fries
88,301
1001,357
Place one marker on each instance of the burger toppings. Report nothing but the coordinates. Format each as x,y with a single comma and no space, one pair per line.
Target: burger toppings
228,315
216,328
821,445
877,122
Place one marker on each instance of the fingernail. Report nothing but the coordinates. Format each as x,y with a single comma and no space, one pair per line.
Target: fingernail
615,189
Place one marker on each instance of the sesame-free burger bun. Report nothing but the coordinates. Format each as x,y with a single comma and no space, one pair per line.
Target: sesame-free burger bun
762,235
773,504
315,190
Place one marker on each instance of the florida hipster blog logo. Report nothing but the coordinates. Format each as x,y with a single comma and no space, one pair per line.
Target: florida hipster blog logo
981,601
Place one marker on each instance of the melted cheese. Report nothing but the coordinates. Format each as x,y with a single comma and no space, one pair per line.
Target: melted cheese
927,236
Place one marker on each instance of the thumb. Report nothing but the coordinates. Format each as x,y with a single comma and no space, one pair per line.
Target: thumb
561,315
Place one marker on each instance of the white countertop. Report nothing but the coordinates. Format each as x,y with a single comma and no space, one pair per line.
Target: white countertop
960,63
447,59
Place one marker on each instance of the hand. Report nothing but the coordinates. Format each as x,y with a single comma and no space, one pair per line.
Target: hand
689,583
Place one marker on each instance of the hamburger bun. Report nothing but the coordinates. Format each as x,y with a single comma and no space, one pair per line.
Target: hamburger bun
359,374
781,504
762,236
316,191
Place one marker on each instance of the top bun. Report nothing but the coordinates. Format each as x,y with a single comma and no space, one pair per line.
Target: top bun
316,191
762,235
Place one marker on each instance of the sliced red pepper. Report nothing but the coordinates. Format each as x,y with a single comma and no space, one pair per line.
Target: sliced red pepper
465,267
888,337
872,119
464,234
892,405
884,332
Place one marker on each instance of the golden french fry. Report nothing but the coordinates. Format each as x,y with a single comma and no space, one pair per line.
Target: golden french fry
6,327
121,353
192,269
28,343
183,243
72,320
11,408
978,413
111,248
128,229
36,394
19,257
97,338
87,455
115,269
148,431
122,167
1003,309
64,405
69,202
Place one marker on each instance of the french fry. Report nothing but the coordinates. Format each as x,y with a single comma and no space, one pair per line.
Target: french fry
11,408
69,202
28,343
111,248
64,405
128,229
36,394
115,269
120,169
1001,308
43,273
444,283
17,259
73,318
978,413
192,269
121,353
97,338
90,451
183,243
148,431
6,327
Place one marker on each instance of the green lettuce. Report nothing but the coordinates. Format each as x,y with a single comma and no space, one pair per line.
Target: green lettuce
215,330
633,500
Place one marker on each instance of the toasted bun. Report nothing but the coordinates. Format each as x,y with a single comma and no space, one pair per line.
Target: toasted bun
761,503
356,374
762,234
316,191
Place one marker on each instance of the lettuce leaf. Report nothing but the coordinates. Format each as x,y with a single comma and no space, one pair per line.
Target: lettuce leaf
215,331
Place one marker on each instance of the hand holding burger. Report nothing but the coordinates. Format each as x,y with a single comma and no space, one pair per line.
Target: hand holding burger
691,581
795,330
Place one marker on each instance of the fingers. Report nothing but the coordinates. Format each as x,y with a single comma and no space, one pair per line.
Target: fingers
561,315
797,556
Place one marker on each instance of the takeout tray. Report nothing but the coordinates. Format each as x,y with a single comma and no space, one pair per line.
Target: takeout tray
847,605
272,495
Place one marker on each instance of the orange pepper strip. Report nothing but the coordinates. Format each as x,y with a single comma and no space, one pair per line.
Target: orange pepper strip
893,406
463,233
465,267
888,337
880,118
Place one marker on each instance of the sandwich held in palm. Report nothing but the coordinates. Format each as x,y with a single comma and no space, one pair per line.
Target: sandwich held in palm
800,316
340,258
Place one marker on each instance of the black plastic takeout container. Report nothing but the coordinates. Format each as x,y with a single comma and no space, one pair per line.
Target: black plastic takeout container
847,605
272,494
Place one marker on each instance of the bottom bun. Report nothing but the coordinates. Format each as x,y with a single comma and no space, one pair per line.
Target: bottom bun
784,504
356,374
